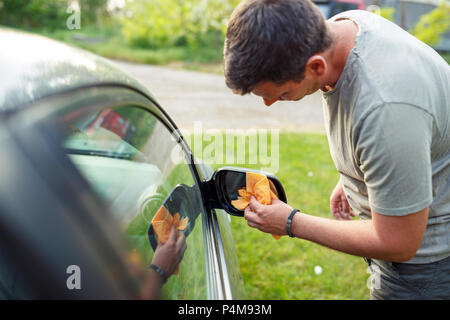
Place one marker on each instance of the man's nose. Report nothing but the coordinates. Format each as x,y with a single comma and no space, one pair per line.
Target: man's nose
269,102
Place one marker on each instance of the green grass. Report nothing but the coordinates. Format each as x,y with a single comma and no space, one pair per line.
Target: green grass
284,269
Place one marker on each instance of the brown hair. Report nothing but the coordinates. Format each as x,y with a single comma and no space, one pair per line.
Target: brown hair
271,40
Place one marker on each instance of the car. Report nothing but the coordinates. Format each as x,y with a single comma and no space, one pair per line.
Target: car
330,8
88,159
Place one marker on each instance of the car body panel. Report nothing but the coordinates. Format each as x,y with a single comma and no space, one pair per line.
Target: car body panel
42,193
225,248
40,94
34,67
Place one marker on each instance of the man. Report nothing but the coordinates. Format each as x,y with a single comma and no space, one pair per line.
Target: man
387,117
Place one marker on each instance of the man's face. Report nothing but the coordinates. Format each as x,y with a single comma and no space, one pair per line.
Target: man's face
289,91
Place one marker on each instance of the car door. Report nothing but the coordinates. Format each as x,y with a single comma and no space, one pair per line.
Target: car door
130,155
223,246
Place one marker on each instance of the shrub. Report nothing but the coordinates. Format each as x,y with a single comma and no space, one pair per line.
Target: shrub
433,25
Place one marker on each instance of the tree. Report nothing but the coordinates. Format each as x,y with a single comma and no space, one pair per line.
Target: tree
50,14
93,11
387,13
433,25
170,22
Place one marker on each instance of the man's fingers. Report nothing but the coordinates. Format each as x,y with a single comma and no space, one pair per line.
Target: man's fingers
251,217
172,235
335,208
255,206
249,214
341,209
345,204
180,238
336,215
252,224
275,201
346,209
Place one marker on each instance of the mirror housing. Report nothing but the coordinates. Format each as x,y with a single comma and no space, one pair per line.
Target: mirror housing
224,184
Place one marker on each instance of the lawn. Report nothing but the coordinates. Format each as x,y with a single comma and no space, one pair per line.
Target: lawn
284,269
109,42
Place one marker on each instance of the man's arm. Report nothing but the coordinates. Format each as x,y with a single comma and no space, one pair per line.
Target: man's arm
391,238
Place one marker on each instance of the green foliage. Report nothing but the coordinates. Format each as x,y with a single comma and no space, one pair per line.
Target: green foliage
164,23
93,11
387,13
33,13
433,24
49,14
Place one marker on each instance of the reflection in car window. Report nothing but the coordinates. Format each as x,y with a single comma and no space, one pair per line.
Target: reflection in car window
132,161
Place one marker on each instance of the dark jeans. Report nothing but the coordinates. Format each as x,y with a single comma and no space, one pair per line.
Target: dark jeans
405,281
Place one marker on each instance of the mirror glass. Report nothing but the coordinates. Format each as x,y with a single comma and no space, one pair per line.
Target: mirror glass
235,187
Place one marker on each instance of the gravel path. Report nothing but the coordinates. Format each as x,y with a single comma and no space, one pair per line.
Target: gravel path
190,96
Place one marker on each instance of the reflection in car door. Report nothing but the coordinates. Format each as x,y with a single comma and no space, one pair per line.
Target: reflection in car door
133,163
129,153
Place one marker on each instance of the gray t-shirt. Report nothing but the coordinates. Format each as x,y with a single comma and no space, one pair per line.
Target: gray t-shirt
388,127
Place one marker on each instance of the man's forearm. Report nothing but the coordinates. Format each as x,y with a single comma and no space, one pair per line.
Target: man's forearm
355,237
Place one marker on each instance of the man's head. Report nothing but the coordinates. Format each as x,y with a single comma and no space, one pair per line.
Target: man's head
273,41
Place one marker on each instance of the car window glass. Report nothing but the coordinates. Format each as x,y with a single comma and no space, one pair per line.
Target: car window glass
135,165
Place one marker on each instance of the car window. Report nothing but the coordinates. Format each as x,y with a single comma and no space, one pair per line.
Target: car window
135,165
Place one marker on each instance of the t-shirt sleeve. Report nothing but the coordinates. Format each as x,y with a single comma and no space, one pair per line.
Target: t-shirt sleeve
393,149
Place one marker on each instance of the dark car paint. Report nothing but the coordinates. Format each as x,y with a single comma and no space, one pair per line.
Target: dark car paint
32,94
34,67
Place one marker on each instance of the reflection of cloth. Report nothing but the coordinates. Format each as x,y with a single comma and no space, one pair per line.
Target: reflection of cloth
163,222
259,186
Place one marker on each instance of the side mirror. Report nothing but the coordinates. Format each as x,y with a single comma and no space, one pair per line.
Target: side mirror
178,201
224,186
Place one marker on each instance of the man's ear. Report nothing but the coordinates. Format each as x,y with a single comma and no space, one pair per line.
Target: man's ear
316,65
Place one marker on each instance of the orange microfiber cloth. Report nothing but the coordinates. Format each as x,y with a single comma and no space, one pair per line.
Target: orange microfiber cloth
162,224
261,188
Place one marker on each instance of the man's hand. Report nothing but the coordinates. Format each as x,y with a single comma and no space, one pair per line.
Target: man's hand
340,208
268,218
167,256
